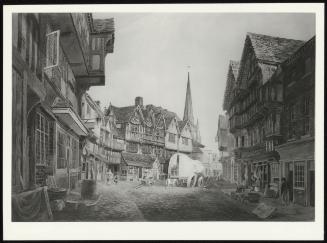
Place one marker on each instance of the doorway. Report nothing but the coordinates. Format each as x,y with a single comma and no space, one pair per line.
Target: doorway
140,172
289,179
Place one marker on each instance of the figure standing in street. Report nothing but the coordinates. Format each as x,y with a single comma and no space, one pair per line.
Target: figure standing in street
116,179
284,192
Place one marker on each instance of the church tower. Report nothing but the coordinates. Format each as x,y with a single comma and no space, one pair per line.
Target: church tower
188,112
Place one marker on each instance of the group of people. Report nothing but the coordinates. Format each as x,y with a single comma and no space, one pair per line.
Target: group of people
111,177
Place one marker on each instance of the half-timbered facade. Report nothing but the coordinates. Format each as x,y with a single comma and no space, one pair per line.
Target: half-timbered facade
271,113
53,65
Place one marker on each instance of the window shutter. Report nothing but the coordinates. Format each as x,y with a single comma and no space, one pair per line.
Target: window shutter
52,54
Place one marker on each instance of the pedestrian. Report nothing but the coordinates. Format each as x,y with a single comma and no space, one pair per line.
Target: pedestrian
284,192
116,179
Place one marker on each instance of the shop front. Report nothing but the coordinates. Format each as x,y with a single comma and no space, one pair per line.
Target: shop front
298,168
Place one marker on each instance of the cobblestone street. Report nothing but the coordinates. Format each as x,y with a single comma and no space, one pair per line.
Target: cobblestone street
123,202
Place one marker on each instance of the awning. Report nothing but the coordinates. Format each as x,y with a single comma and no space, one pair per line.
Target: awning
69,117
302,149
140,160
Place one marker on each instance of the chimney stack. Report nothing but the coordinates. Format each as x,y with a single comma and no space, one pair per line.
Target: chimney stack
139,101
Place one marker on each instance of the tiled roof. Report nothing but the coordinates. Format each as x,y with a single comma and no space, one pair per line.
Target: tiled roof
273,49
230,83
142,160
235,65
181,124
123,114
104,25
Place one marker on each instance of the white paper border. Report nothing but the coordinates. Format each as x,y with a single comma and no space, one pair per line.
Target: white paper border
172,230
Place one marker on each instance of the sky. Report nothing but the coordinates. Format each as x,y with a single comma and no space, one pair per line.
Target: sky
152,52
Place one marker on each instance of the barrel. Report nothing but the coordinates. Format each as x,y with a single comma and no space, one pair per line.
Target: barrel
88,190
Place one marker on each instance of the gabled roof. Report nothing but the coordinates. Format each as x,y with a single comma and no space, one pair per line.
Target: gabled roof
182,124
273,49
123,114
232,75
235,65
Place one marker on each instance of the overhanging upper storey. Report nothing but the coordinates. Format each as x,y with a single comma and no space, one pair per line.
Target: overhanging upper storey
85,42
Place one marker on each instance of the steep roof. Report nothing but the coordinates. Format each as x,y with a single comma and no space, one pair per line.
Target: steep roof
273,49
232,75
123,114
181,124
235,65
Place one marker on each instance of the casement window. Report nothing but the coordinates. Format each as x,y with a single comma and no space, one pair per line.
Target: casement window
52,49
43,139
299,175
171,137
61,150
146,149
132,147
131,169
123,172
74,147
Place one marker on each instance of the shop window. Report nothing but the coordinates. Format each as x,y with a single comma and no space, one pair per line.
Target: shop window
74,148
130,169
61,150
299,175
43,139
171,137
123,172
274,172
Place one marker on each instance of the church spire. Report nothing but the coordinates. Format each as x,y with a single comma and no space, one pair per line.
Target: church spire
188,110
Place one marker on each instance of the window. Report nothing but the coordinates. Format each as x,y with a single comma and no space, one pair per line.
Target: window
134,128
292,112
299,175
243,141
132,147
274,171
43,140
74,147
130,169
52,55
146,149
171,137
61,150
306,126
305,104
123,172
